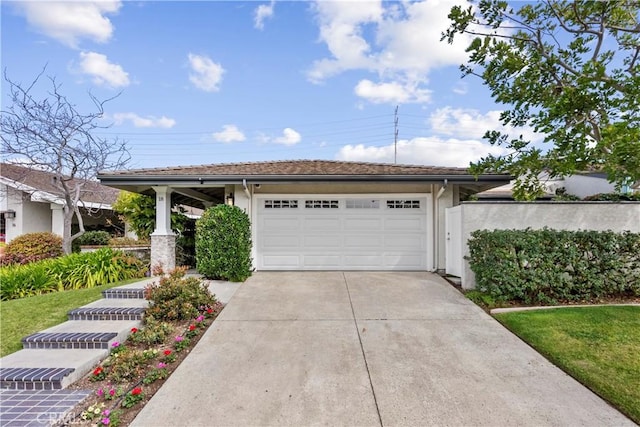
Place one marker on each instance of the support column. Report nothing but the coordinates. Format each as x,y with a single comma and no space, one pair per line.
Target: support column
163,241
57,219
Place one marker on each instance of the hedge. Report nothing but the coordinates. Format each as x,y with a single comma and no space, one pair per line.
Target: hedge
550,266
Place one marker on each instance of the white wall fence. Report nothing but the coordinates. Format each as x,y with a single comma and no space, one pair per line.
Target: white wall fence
462,220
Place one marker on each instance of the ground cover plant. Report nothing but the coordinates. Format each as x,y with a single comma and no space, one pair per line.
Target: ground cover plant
599,346
137,368
73,271
26,316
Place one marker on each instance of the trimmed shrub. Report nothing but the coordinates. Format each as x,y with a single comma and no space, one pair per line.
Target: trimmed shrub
223,244
549,266
178,298
613,197
32,247
95,238
72,271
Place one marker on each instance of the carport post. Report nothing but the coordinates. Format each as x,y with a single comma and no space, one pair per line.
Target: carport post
163,240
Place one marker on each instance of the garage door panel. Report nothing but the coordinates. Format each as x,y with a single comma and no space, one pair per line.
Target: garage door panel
280,242
281,223
349,233
363,241
312,223
323,241
327,261
280,262
415,242
413,223
362,223
403,261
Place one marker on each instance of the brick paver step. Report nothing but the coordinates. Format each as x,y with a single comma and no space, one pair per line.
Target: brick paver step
123,293
33,378
107,313
69,340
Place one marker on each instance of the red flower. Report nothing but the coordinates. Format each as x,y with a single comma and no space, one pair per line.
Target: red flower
136,391
167,352
209,310
192,327
97,371
134,330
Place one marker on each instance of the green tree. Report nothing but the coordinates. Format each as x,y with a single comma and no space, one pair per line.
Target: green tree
139,211
568,69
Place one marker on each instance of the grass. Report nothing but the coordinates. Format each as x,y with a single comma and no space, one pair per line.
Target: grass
598,346
25,316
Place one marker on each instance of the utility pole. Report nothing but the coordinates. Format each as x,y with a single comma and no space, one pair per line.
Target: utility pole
395,137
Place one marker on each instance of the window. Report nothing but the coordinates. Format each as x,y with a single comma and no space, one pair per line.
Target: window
403,204
363,204
280,204
321,204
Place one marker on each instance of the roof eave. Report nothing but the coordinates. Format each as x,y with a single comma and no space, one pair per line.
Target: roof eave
285,179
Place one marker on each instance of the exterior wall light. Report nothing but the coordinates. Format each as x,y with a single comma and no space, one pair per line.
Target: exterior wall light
230,199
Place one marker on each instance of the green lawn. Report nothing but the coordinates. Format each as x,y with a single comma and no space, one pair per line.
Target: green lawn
25,316
599,346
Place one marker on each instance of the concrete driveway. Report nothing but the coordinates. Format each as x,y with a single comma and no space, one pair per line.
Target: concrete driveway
366,349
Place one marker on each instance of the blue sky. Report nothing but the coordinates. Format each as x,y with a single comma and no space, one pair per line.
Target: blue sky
213,81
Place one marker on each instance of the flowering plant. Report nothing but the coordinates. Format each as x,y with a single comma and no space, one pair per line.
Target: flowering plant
98,374
116,348
181,343
134,396
169,356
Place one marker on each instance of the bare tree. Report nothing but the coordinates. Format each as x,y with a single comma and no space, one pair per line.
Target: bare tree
50,134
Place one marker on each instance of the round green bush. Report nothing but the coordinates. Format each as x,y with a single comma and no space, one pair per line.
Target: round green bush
96,238
223,244
32,247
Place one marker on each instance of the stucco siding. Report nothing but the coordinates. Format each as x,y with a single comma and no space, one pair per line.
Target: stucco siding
342,188
599,216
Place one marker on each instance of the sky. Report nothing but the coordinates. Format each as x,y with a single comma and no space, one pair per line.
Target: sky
235,81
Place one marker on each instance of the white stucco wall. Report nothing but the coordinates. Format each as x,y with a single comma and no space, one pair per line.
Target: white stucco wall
583,186
599,216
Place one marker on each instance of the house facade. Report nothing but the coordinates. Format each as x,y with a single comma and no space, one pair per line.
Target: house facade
31,201
317,214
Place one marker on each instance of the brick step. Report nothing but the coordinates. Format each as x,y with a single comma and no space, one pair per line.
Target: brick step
33,378
107,313
123,293
69,340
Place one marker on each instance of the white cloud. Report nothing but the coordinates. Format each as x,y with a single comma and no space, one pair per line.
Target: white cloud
469,123
206,74
263,12
393,92
229,133
432,151
289,137
70,21
399,41
144,122
103,72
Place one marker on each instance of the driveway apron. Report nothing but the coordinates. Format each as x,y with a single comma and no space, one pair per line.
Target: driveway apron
365,349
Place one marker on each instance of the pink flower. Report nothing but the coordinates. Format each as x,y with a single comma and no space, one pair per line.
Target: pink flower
200,318
115,344
162,365
100,392
112,392
106,421
106,412
179,338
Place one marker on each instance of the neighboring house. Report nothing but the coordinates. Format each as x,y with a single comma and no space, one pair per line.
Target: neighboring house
30,201
582,184
317,214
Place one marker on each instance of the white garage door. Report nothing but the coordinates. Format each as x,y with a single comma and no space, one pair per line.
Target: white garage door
365,232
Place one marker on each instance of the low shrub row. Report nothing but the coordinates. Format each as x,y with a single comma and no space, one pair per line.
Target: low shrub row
74,271
32,247
550,266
